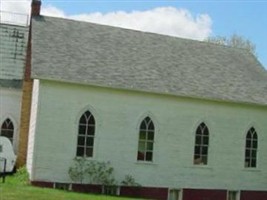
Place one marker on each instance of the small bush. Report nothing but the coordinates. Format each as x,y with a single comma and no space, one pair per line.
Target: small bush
22,175
100,173
94,172
77,171
130,181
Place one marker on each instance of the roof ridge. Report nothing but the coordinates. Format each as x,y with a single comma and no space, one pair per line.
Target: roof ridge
144,32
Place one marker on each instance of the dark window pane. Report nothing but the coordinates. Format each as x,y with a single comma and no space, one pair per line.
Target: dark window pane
247,153
151,126
149,146
147,119
197,149
254,153
5,133
141,155
249,136
253,163
204,160
204,150
83,120
89,152
143,126
81,141
197,156
91,120
10,126
202,125
150,135
82,130
198,140
199,132
91,130
90,141
87,114
80,151
142,135
206,132
5,124
248,143
206,140
255,144
149,156
255,137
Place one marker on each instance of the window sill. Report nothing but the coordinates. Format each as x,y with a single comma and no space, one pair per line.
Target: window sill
145,163
86,158
207,167
251,169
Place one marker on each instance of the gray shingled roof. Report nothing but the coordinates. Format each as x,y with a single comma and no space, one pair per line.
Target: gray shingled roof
13,44
87,53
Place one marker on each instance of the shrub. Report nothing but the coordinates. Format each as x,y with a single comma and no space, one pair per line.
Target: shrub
22,175
78,170
93,171
129,181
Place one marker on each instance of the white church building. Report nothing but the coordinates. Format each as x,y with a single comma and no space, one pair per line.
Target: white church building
187,119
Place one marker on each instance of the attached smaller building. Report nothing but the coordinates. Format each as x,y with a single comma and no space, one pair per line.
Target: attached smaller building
13,56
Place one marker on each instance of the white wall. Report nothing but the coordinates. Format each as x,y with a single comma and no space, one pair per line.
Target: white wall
10,106
118,114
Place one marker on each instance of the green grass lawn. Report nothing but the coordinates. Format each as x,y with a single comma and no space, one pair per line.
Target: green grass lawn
16,189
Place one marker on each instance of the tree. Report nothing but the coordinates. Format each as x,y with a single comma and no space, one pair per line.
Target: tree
234,41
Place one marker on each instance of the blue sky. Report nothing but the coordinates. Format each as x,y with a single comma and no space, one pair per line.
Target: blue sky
190,19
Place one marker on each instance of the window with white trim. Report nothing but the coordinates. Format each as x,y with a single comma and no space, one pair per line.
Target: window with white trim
251,148
201,145
7,129
146,140
86,135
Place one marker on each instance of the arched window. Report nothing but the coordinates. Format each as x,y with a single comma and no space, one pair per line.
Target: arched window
201,145
7,129
146,140
251,148
86,135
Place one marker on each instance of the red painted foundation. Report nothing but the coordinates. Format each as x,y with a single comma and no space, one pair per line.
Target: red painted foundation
161,193
42,184
197,194
253,195
144,192
87,188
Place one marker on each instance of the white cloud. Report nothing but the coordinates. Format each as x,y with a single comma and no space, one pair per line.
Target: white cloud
52,11
163,20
